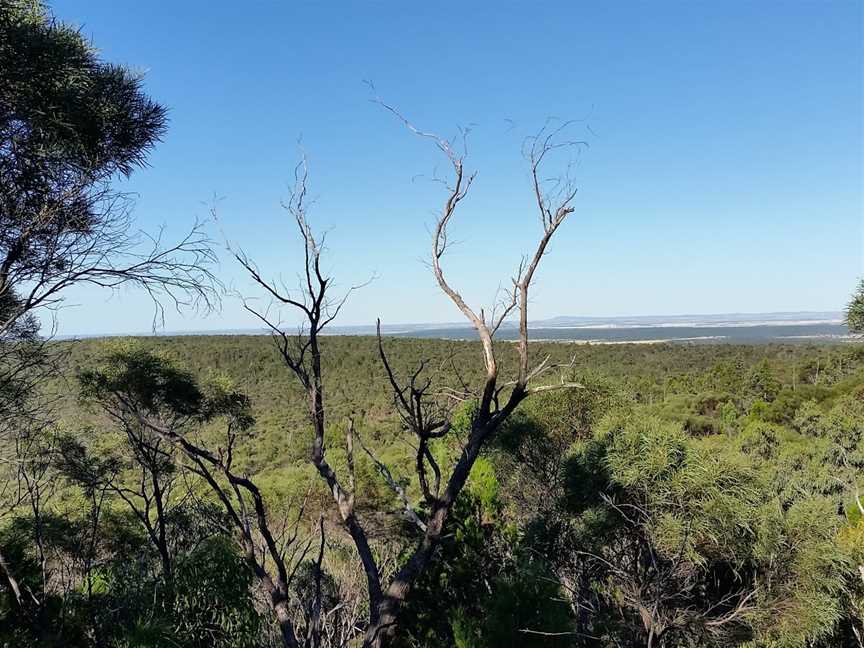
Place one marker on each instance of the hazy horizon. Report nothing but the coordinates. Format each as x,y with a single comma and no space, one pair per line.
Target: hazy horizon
780,318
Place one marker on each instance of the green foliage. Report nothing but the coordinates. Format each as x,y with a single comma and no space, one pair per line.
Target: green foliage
845,429
212,606
783,408
855,310
488,588
571,414
699,500
802,594
125,601
809,419
483,484
68,111
762,382
700,508
722,477
69,124
151,379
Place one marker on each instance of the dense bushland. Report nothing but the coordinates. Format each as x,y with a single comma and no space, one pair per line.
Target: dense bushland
686,495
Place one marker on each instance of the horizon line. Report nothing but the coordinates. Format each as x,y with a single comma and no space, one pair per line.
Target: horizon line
835,317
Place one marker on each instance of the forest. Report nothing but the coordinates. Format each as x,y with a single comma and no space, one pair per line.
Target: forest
701,495
301,489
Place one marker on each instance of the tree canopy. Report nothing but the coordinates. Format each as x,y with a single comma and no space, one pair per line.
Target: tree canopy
855,310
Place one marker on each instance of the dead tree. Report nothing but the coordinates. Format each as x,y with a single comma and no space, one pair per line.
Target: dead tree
420,411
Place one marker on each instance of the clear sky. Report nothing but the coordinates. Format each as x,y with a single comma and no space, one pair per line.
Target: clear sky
724,172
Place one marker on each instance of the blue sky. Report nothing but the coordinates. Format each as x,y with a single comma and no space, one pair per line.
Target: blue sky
724,172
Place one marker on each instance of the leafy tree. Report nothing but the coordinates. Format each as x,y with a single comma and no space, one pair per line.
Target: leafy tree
121,603
686,544
809,419
855,310
762,383
70,124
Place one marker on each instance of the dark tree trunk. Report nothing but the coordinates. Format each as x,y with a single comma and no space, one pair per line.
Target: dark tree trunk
286,627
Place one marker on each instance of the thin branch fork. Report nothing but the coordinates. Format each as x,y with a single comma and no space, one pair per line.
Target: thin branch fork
490,414
302,356
394,485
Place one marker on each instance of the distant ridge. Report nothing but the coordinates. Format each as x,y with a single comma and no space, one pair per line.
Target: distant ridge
728,319
561,322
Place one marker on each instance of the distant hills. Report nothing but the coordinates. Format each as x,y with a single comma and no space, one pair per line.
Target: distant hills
750,326
798,318
725,319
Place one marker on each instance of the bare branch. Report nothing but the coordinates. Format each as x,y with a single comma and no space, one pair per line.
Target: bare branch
410,512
